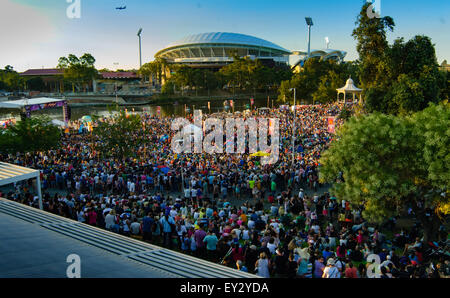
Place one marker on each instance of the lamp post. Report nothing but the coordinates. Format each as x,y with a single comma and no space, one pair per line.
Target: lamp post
309,22
140,53
293,128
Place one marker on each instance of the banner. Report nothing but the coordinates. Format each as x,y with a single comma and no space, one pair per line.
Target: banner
44,106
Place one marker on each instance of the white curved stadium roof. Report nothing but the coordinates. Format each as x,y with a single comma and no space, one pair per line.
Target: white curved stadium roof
322,53
225,38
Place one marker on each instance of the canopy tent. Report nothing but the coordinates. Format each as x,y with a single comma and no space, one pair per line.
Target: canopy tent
21,103
59,123
10,173
349,88
29,105
86,118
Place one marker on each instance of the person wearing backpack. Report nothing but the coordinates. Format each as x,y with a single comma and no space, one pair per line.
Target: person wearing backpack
330,270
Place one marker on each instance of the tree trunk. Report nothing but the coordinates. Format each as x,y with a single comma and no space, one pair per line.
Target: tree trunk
430,224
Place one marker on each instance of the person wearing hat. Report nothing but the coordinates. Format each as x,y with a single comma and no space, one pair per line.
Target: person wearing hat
330,270
250,257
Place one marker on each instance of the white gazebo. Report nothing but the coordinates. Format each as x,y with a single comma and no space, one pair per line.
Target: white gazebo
10,173
350,88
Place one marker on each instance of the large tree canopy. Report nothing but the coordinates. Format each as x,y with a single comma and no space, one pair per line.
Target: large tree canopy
120,135
387,163
29,135
10,80
78,71
317,81
400,78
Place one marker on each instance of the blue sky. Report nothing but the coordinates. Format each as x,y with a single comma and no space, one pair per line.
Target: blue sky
38,32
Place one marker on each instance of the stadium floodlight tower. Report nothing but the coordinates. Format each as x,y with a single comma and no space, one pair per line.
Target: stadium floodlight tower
140,53
309,22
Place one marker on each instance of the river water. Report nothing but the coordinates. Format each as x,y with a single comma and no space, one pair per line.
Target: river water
165,109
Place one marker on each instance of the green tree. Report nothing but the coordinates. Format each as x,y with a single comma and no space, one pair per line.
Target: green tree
120,135
414,77
326,91
78,71
388,163
400,78
446,84
169,87
316,73
156,69
30,135
372,44
11,80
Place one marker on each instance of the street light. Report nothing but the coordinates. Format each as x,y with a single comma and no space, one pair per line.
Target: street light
309,22
293,128
140,55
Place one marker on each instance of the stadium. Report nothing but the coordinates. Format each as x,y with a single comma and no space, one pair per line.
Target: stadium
216,49
323,54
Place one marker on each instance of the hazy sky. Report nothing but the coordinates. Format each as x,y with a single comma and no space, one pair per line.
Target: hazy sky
35,33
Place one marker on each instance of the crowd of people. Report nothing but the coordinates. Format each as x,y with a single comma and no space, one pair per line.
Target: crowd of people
271,220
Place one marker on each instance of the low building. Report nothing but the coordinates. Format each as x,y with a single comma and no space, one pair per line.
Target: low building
52,77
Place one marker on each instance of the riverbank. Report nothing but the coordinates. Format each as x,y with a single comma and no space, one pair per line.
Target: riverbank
192,99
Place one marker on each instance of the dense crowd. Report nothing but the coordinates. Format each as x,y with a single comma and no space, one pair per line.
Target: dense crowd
272,220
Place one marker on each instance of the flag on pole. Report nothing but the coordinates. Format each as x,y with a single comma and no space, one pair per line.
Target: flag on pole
332,124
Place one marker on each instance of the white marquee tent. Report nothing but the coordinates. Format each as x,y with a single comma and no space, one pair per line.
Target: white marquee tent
21,103
10,173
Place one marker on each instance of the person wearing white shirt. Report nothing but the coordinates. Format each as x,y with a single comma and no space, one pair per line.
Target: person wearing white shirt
238,233
173,212
135,227
245,234
316,228
110,220
272,246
